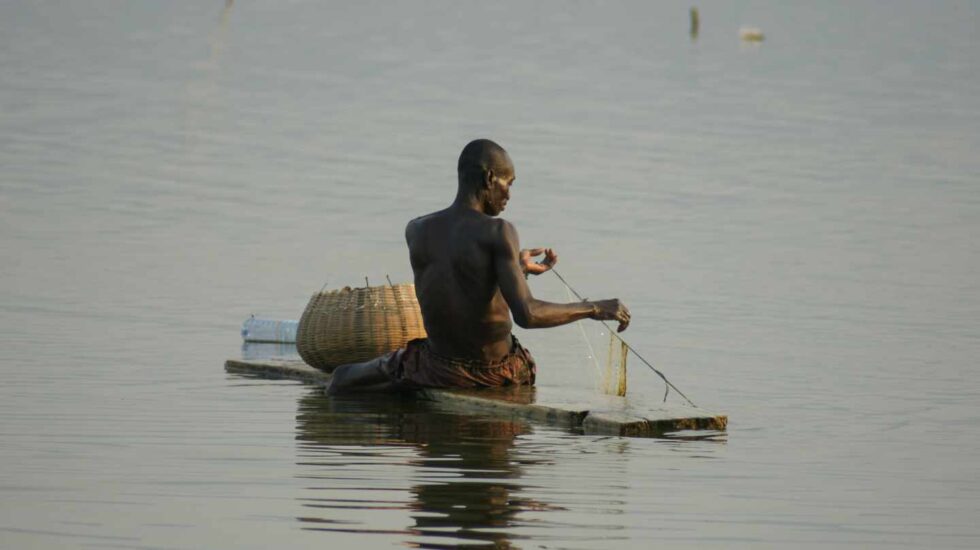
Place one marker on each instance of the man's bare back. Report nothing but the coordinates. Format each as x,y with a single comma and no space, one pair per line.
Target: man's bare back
470,275
452,255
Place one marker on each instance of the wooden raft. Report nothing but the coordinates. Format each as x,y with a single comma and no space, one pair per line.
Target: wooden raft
593,414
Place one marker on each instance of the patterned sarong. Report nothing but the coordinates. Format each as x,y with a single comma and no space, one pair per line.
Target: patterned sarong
417,366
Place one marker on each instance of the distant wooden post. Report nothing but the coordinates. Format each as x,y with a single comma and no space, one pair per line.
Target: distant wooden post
695,23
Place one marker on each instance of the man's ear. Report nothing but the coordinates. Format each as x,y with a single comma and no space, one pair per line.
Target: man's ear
488,179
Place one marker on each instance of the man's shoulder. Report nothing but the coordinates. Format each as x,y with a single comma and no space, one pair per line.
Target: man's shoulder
424,219
503,227
416,224
501,233
474,224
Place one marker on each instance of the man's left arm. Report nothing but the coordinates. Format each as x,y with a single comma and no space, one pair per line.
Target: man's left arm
531,267
528,311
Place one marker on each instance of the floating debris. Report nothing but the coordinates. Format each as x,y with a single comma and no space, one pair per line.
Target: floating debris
751,34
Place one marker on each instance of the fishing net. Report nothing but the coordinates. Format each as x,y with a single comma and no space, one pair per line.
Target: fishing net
611,378
614,376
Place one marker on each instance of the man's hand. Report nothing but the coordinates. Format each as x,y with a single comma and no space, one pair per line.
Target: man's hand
537,268
611,310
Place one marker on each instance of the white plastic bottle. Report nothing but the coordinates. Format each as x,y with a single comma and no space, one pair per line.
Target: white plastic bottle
269,330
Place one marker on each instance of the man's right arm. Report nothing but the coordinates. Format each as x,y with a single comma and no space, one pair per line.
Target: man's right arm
528,311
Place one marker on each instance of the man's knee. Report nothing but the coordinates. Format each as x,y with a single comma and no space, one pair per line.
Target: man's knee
339,380
357,377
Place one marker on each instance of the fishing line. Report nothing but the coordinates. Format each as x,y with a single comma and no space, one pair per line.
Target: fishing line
592,355
668,385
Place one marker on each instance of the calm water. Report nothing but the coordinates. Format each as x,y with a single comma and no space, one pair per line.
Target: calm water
794,225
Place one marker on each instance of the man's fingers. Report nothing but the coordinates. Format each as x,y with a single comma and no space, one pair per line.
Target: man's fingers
624,318
534,251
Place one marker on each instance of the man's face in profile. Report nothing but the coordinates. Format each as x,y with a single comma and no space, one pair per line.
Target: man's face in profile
499,192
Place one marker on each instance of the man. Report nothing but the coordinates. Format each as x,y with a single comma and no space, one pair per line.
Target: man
470,279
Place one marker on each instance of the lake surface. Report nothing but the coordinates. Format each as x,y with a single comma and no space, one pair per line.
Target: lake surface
794,225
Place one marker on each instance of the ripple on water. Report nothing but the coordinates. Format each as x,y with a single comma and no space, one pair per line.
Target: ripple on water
371,465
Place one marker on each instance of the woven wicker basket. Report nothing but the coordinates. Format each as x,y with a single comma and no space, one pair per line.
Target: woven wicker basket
354,325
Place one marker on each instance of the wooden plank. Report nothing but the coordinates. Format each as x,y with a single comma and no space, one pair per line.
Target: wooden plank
652,423
513,402
276,369
577,410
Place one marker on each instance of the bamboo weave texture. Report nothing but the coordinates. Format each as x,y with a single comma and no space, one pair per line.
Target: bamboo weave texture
354,325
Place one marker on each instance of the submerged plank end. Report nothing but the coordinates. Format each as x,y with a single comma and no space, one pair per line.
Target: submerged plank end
625,424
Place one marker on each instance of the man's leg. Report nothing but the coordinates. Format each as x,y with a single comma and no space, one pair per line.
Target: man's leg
369,376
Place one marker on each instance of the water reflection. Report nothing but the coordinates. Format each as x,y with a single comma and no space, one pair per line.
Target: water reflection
463,481
269,350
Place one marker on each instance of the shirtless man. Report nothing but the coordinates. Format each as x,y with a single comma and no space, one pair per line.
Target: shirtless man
470,279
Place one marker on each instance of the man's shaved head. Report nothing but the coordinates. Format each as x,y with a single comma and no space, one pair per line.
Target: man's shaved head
480,156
